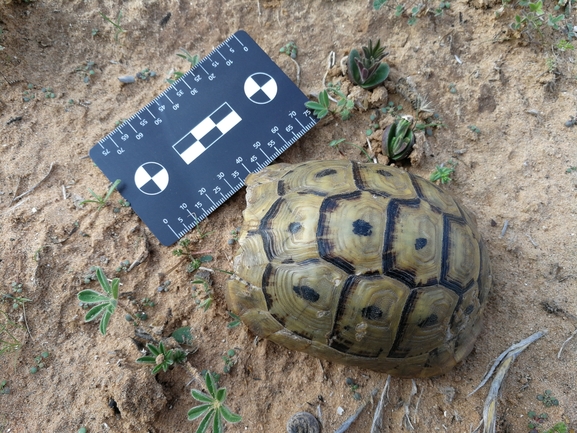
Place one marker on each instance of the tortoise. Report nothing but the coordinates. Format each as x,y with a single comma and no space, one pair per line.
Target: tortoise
361,264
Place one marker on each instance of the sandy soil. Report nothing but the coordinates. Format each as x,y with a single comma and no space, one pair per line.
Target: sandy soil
516,170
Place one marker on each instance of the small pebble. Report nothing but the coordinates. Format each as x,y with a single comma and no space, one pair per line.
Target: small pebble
127,79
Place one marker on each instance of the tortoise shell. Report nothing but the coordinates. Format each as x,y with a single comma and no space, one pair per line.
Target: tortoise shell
361,264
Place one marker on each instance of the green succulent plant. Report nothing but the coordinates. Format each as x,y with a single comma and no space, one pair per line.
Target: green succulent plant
399,138
366,68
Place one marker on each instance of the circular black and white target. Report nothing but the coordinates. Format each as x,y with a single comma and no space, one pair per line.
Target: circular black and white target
260,88
151,178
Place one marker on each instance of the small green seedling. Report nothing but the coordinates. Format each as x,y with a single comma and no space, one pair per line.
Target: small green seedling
145,74
4,388
442,173
187,253
106,302
192,59
399,138
323,107
378,4
234,322
290,49
8,341
564,45
366,68
442,6
207,301
474,129
48,93
102,200
161,358
39,362
17,301
230,358
337,142
183,335
118,30
548,399
212,407
353,386
392,109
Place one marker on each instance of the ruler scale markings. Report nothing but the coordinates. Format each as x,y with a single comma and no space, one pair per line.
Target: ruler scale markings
247,87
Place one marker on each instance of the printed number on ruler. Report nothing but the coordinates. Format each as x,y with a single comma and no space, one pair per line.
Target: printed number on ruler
185,153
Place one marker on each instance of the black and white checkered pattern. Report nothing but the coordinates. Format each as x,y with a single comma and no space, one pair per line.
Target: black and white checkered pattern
206,133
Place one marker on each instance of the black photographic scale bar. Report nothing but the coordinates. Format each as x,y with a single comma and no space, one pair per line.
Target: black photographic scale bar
189,150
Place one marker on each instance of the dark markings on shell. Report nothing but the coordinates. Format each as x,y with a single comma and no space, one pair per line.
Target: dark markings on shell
287,261
280,189
343,299
313,192
433,319
264,284
357,177
326,172
265,226
455,286
362,228
385,173
307,293
388,252
469,309
432,358
420,243
324,235
294,227
408,308
372,312
422,196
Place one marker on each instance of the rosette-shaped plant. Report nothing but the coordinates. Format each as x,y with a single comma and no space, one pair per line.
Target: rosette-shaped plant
398,139
366,68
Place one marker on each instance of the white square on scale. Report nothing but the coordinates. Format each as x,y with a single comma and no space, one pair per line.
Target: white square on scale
192,152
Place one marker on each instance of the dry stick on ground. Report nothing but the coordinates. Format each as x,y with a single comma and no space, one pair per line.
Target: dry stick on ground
34,187
378,417
503,362
565,343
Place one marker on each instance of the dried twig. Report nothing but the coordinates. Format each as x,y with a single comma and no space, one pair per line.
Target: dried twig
378,417
505,226
34,187
501,364
565,343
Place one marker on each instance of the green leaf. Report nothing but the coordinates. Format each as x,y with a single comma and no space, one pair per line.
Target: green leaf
104,322
155,350
205,259
217,424
159,367
114,288
197,411
147,360
206,422
378,77
228,415
89,296
314,105
221,395
103,281
378,4
324,99
94,312
201,396
183,335
353,69
210,383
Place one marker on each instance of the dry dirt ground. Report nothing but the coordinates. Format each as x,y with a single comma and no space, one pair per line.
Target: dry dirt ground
516,88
